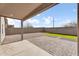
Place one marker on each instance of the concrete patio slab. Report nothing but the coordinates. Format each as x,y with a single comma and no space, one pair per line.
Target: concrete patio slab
12,38
17,37
22,48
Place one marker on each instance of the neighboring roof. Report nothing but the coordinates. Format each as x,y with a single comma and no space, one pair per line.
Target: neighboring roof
23,11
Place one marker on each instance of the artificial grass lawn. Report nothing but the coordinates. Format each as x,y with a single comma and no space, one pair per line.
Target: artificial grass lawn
69,37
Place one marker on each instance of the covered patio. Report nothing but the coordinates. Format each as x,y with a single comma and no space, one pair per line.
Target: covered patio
21,12
23,43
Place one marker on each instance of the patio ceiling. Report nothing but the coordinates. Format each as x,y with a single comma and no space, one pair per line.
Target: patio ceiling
23,11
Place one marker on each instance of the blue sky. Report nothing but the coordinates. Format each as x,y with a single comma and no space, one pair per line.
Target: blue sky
62,14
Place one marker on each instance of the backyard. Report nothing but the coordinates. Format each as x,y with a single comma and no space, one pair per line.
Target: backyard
26,35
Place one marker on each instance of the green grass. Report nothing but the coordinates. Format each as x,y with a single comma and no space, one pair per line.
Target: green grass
69,37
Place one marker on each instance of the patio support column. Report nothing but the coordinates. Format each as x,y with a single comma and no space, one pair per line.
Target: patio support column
78,26
21,30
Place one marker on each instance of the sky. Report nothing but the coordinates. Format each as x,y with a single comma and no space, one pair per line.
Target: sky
61,14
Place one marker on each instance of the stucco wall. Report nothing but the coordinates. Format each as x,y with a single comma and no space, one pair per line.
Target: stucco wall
63,30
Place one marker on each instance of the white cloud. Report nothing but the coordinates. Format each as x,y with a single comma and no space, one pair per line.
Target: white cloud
14,22
32,21
47,20
10,21
67,21
62,23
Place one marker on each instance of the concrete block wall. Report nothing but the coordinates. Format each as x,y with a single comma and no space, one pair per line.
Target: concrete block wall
12,31
32,30
62,30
